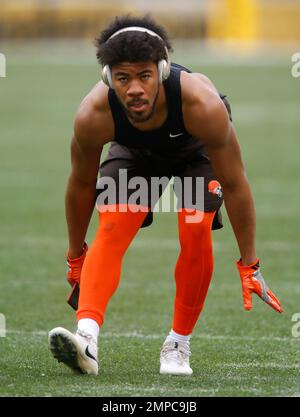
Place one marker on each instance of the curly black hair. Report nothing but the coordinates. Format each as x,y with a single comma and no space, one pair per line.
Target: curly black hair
132,46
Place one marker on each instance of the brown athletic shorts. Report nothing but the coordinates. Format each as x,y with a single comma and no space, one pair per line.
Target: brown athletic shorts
189,161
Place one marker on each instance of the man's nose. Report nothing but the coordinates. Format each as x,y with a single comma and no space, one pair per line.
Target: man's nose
135,89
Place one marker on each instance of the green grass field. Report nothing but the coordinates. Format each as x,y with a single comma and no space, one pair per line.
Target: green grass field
235,353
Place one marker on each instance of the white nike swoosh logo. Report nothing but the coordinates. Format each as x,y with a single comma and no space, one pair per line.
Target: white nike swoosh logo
89,354
175,136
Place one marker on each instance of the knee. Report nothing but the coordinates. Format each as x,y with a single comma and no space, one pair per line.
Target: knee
117,229
191,232
110,235
196,238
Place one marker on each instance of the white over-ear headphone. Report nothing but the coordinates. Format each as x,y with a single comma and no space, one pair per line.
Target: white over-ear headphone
163,65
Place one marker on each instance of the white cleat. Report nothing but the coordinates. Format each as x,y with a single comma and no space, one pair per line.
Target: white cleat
78,351
174,358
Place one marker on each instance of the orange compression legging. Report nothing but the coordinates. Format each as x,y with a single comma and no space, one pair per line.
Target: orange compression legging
102,267
193,270
101,270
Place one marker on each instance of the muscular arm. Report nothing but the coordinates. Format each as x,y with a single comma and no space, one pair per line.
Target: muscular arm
206,118
80,195
92,130
228,167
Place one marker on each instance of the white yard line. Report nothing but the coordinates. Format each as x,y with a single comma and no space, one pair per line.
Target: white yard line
137,335
285,113
162,390
212,53
173,244
260,365
160,243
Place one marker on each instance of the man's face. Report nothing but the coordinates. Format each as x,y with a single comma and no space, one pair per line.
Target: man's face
136,86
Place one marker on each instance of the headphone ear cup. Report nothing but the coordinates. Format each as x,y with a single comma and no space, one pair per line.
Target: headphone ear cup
160,68
106,76
166,70
163,70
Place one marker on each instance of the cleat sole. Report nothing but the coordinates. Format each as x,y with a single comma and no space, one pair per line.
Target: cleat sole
64,351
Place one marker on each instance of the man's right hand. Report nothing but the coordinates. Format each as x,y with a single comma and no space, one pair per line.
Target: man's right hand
75,266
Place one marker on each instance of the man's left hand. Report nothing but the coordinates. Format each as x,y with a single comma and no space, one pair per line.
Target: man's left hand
253,282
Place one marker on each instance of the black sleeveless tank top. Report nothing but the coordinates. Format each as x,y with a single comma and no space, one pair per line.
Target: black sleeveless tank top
171,135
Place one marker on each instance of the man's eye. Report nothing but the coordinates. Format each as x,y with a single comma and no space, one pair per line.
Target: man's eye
145,77
122,79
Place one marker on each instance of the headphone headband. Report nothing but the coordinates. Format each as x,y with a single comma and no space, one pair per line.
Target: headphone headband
135,29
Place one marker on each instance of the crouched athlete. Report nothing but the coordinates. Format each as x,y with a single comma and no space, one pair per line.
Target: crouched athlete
162,121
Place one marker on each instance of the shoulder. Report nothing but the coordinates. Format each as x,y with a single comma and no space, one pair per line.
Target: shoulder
204,112
93,121
196,88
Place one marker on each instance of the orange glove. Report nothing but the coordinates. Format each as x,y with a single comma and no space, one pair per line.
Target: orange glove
252,281
75,266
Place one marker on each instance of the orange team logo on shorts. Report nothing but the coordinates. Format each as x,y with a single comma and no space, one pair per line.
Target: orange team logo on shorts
214,187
